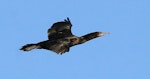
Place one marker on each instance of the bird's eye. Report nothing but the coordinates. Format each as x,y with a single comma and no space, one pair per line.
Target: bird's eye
66,39
72,40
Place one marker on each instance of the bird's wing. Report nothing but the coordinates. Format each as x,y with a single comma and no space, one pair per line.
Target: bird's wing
60,29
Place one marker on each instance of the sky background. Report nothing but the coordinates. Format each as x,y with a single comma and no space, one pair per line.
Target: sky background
124,54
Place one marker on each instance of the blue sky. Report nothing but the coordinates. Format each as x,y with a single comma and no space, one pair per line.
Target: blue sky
124,54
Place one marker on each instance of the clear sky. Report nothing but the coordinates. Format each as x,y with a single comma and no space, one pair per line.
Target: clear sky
124,54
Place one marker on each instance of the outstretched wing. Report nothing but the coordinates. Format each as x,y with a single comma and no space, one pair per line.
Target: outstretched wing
60,29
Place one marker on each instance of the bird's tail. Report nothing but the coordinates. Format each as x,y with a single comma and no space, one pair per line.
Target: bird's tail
29,47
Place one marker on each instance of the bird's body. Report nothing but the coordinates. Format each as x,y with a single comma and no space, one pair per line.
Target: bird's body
60,38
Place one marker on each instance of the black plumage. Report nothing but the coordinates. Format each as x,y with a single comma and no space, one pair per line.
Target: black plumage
60,38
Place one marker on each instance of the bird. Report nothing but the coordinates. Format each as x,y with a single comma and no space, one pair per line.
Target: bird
61,39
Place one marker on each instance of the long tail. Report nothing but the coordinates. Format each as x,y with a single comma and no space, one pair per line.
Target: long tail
91,36
29,47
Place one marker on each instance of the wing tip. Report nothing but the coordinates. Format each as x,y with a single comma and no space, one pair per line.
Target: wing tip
68,21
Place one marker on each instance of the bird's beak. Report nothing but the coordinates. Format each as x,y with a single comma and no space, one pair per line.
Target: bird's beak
103,33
